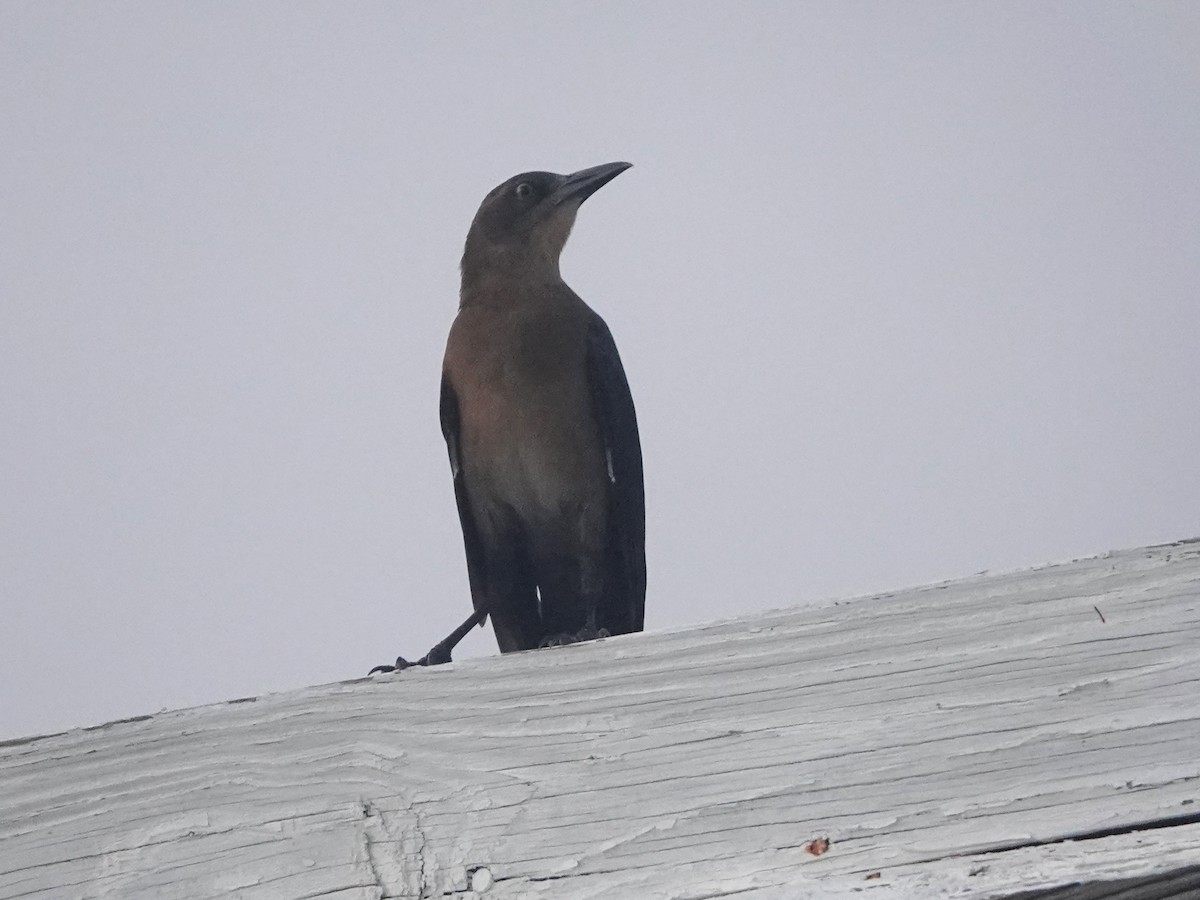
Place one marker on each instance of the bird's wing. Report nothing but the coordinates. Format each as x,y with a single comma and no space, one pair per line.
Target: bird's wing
624,604
448,409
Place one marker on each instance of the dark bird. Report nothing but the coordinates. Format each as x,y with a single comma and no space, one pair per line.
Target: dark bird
541,431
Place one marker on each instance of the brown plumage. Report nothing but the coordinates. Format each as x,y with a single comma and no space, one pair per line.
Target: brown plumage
540,428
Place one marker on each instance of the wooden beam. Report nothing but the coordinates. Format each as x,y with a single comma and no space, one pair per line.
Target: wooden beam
971,738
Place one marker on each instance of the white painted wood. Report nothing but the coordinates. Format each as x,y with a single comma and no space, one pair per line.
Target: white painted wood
922,732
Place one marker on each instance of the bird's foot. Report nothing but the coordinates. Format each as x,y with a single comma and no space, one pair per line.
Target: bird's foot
437,655
587,633
400,664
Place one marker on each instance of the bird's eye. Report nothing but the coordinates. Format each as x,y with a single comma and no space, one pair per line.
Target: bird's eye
524,190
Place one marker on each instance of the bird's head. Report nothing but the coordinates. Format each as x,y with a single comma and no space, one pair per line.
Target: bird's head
522,225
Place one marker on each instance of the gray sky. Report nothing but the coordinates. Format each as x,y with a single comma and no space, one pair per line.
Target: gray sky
903,292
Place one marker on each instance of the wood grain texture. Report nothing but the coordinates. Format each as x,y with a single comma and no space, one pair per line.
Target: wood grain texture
949,741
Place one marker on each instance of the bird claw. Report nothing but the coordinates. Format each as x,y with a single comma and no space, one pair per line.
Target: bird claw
400,664
438,655
557,640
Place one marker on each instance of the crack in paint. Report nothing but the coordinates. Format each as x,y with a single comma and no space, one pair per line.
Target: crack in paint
1097,834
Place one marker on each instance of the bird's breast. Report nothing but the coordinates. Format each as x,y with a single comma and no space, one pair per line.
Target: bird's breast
528,435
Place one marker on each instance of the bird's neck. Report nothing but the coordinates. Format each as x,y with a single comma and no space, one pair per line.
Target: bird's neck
502,278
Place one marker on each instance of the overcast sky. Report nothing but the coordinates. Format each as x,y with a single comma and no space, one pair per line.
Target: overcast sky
904,291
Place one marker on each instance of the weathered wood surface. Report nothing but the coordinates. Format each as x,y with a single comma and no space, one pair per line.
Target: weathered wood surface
1175,884
949,740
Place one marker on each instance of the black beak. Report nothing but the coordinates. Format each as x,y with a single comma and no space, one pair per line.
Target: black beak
582,184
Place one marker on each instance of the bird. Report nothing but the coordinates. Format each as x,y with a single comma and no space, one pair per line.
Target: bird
541,431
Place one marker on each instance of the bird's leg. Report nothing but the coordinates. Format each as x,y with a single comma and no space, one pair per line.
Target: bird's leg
591,584
440,652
